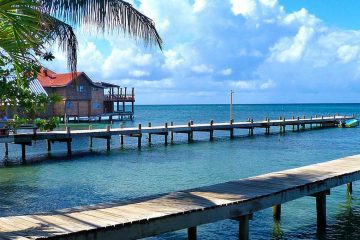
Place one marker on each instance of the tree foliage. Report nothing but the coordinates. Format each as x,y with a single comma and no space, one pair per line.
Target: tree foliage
29,27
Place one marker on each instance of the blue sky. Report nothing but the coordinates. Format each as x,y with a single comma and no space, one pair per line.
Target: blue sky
338,13
267,51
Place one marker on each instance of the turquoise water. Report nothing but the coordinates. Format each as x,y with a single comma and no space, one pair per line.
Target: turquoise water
97,176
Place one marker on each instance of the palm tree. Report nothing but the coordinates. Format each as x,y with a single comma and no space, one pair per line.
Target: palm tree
28,26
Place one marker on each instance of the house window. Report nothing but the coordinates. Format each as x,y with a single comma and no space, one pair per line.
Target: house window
81,88
96,105
95,89
69,104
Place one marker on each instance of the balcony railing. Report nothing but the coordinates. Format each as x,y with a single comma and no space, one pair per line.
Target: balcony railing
119,97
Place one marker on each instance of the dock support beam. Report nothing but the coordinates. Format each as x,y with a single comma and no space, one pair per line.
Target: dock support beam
277,212
68,141
192,233
149,137
6,150
90,138
23,152
139,137
321,211
172,133
349,188
108,139
211,131
231,129
190,133
48,145
244,227
166,134
122,140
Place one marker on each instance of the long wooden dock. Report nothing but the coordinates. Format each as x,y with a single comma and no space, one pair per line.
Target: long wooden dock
188,209
26,139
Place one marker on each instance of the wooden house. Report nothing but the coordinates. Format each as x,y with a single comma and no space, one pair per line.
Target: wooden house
81,97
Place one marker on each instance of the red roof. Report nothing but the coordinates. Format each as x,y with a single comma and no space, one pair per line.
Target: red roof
48,78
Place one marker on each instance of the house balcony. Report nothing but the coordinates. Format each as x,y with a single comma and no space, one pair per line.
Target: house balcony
119,98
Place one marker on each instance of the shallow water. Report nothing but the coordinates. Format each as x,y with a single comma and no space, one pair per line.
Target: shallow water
124,173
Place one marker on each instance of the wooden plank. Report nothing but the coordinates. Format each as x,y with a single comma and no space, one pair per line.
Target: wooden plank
185,209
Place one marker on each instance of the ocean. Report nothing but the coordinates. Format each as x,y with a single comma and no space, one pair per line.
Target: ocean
53,181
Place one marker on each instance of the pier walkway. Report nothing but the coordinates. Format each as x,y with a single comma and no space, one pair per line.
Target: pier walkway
188,209
26,139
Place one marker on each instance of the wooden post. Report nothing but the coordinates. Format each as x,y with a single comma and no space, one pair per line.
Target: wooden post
231,129
252,129
166,134
48,145
122,140
192,233
140,135
189,133
90,138
244,227
68,142
211,131
277,212
172,133
321,210
6,150
23,152
149,133
108,138
350,188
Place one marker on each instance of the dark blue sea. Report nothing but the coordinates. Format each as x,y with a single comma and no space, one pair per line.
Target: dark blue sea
52,181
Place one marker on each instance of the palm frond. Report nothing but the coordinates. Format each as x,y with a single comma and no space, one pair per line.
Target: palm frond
65,36
105,15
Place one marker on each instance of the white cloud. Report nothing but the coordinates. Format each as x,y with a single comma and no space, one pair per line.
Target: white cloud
267,85
139,73
347,53
291,50
243,85
199,5
243,7
226,72
202,68
173,59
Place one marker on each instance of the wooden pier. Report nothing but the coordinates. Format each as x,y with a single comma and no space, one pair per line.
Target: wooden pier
26,139
237,200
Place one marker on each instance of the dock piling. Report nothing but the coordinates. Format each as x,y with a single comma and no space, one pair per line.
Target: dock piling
321,210
166,134
90,138
277,212
48,145
6,150
68,141
211,130
139,137
349,188
149,137
231,128
23,152
122,140
108,138
244,227
190,134
192,233
172,133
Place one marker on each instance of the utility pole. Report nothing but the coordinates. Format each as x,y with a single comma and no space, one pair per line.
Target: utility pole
231,102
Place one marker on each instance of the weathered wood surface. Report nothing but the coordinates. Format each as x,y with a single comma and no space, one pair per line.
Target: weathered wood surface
183,209
60,135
